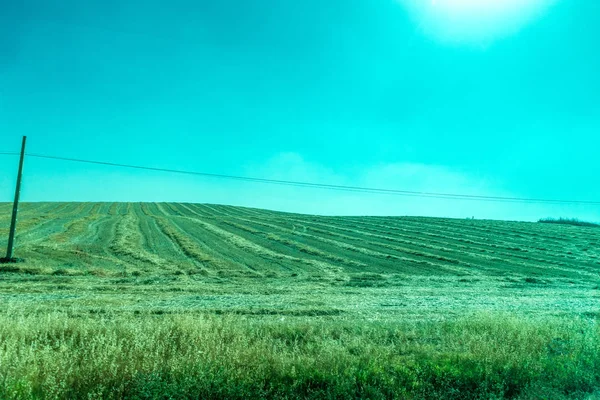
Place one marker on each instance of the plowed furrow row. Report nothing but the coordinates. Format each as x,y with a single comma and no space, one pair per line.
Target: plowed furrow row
299,246
557,233
467,230
424,235
362,255
278,244
510,236
143,209
127,242
39,228
525,250
113,209
466,234
32,214
375,239
154,240
460,240
151,209
251,212
238,211
104,207
478,261
196,210
223,210
380,242
238,260
379,251
212,210
77,227
58,256
124,209
101,235
367,256
171,209
91,250
251,247
188,246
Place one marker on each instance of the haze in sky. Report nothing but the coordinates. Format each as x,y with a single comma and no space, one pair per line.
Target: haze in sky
493,98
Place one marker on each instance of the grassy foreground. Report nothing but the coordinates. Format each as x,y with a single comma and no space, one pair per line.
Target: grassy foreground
58,355
169,301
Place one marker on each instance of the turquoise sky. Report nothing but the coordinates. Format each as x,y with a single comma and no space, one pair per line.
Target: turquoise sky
435,95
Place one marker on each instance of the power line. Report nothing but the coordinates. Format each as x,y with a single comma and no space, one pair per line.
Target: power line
359,189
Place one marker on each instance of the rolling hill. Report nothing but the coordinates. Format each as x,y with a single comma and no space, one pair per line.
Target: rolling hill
164,300
216,240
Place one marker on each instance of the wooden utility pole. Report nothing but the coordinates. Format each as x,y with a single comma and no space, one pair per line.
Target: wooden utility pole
13,221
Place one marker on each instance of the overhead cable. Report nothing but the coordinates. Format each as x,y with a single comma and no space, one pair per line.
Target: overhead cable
359,189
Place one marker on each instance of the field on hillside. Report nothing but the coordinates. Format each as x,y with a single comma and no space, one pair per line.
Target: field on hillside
151,300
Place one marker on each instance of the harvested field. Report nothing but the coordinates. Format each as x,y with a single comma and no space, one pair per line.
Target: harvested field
337,307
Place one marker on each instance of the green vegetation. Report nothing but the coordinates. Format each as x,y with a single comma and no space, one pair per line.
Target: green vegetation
60,355
568,221
206,301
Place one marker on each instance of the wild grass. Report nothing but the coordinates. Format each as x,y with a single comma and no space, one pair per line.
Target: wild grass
568,221
60,355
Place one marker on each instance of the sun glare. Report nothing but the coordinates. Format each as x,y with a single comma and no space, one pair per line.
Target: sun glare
477,21
476,7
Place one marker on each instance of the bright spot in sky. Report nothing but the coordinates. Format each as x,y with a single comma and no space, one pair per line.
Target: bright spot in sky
475,21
